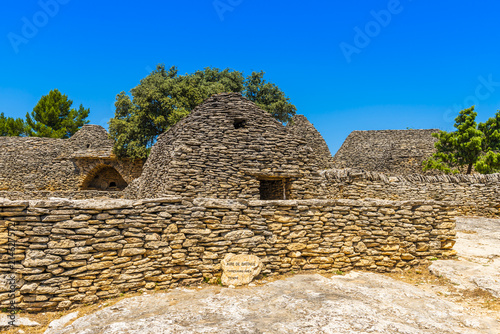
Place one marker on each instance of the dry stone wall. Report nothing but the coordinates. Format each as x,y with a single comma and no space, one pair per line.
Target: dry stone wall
75,194
76,252
48,164
388,151
223,149
475,194
301,127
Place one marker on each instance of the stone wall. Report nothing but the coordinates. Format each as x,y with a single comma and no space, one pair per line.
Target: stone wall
475,194
75,194
301,127
76,252
223,149
388,151
48,164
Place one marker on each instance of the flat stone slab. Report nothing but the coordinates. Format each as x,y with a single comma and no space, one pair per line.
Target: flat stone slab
478,248
59,323
239,269
20,321
359,302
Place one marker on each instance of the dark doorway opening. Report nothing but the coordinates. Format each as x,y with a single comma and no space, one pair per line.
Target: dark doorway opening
273,189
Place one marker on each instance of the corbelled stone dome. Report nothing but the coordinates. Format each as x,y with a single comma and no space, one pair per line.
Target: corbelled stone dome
229,148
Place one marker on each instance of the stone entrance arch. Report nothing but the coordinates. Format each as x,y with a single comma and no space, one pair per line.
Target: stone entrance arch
104,177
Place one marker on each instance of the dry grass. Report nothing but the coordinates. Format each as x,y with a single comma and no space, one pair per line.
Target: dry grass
484,298
419,275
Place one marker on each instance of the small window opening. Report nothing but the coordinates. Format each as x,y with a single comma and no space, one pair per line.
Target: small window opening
274,189
239,123
112,184
88,145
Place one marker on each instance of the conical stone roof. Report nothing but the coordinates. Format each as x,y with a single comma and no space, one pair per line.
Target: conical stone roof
222,150
300,126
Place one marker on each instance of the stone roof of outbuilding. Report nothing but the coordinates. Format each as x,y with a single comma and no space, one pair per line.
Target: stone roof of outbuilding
220,149
300,126
388,151
91,141
47,163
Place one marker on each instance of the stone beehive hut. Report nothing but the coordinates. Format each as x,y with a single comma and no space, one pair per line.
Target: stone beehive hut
83,162
301,127
229,148
388,151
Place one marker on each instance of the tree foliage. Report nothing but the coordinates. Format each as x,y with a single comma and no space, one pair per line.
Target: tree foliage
53,117
164,97
11,126
471,145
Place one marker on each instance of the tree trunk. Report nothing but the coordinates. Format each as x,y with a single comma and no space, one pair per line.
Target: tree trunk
469,169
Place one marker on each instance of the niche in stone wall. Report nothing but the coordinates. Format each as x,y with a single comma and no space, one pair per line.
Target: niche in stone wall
102,178
274,188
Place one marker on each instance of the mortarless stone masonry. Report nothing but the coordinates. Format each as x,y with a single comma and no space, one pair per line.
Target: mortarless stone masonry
223,149
474,194
301,127
388,151
70,253
48,164
215,165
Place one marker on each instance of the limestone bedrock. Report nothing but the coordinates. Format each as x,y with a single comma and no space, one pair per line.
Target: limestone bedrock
240,269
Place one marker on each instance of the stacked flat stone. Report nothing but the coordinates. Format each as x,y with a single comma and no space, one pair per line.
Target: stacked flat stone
71,252
476,194
388,151
222,149
48,164
301,127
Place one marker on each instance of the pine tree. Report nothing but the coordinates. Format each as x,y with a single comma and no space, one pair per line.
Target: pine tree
471,145
11,126
53,117
490,162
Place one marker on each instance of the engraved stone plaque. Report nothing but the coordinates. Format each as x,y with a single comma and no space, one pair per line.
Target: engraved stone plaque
240,269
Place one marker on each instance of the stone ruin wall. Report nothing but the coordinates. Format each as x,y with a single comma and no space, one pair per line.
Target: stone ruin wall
29,164
71,253
398,152
474,194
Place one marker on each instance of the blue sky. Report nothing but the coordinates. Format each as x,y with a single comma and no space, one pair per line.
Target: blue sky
346,65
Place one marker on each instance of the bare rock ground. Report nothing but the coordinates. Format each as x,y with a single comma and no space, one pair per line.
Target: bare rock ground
478,263
358,302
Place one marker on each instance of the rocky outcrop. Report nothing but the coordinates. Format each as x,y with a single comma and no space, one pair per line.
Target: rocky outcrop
356,303
478,265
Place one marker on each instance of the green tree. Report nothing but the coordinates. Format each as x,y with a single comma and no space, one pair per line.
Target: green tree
53,117
490,162
269,97
11,126
164,97
471,145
